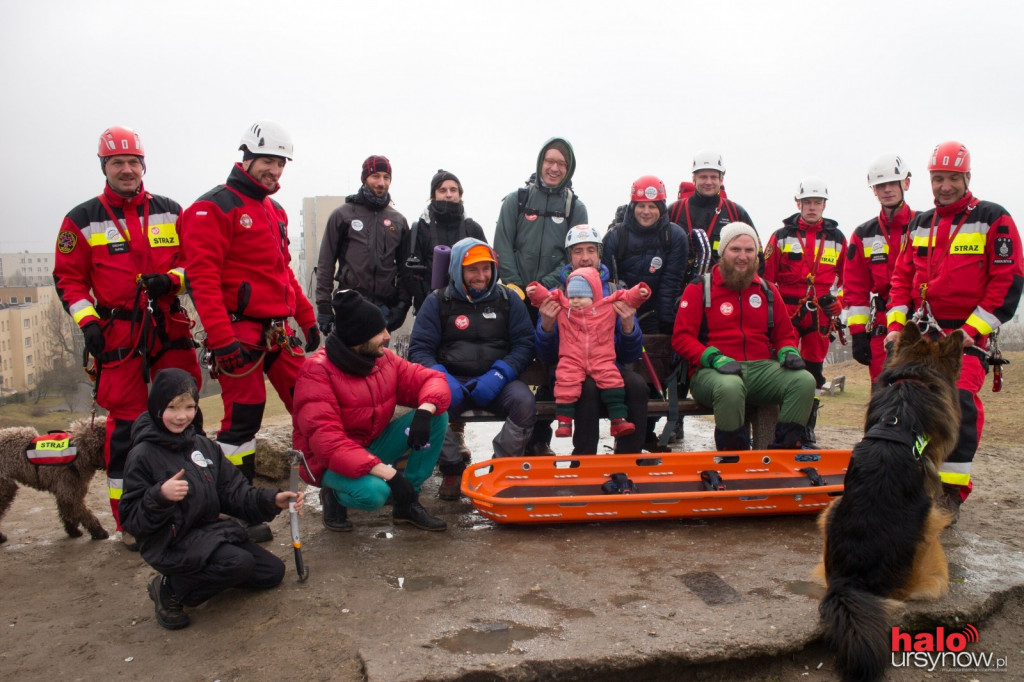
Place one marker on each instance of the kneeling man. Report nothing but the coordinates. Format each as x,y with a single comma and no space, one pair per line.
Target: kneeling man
345,398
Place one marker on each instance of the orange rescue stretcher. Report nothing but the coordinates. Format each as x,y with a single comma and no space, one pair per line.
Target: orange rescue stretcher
671,485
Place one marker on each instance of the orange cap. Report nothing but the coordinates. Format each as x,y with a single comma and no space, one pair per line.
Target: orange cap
479,254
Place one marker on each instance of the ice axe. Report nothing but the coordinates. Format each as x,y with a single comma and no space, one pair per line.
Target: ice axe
297,460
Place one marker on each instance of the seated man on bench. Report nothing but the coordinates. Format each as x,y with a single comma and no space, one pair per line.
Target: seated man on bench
583,249
733,329
481,337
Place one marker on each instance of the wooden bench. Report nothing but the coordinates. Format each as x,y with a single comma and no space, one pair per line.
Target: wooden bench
839,383
659,351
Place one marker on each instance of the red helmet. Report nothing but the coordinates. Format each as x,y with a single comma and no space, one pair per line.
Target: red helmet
648,188
950,156
686,188
117,140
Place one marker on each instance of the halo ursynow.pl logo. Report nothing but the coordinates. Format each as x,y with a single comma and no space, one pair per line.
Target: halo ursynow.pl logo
942,650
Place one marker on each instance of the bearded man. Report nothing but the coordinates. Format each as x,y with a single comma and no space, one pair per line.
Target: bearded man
733,330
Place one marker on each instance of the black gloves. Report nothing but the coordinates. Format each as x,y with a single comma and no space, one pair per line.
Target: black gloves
231,358
862,348
325,321
312,339
401,490
94,341
419,430
723,364
156,285
830,305
396,315
793,361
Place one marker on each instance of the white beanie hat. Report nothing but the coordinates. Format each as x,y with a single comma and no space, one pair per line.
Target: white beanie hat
733,230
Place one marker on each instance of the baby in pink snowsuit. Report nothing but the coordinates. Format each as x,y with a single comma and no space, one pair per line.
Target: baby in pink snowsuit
586,345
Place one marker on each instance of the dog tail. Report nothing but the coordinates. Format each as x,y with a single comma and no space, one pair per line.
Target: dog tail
855,624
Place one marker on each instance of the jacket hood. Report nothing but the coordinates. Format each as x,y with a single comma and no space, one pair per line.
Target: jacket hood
455,283
563,146
168,385
593,279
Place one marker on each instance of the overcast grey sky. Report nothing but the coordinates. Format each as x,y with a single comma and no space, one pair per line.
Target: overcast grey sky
783,89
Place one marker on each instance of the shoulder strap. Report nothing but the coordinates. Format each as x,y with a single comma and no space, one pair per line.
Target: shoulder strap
705,283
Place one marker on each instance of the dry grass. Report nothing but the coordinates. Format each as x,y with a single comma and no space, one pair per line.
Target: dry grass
29,414
847,409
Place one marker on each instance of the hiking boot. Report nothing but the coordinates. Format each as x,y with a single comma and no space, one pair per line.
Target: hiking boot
564,429
450,488
169,611
621,427
810,442
335,514
651,443
950,502
732,440
458,432
416,515
259,532
788,436
538,449
677,433
130,543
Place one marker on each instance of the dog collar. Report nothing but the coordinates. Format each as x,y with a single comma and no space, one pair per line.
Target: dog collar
891,429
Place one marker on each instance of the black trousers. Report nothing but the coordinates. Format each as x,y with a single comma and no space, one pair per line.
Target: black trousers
244,565
589,411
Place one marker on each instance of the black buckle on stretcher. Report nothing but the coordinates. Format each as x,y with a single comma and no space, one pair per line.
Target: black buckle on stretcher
712,480
619,484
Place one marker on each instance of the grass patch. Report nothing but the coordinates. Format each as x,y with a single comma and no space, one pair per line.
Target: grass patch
42,419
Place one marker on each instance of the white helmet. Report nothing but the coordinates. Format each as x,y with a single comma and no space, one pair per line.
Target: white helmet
887,168
267,138
582,234
812,187
708,159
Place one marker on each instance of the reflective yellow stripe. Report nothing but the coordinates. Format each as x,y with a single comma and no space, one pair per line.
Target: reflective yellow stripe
180,272
82,313
115,487
236,454
896,316
983,327
857,319
954,478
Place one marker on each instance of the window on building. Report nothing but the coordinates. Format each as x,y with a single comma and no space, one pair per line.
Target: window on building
28,342
30,378
25,324
28,299
28,360
14,299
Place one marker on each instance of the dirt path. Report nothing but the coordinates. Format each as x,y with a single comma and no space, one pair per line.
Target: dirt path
78,610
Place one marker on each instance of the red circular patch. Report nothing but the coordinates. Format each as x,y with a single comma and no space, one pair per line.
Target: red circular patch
461,321
726,308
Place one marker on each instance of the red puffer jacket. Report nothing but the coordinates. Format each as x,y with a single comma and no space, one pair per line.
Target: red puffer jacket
337,415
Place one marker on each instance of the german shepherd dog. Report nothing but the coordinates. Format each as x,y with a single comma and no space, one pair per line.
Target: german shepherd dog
882,536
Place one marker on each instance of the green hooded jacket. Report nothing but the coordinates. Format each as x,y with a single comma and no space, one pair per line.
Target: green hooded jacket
530,243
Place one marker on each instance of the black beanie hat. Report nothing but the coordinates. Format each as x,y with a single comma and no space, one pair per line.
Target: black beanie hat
440,176
375,164
356,320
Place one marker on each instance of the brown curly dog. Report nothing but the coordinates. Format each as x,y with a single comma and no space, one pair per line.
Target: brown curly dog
68,483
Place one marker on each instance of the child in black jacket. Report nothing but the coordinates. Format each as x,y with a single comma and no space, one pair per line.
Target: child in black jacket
176,486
